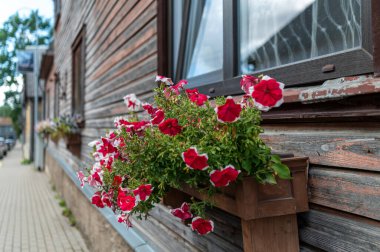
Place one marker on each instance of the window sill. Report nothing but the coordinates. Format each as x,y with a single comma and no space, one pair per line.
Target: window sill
334,89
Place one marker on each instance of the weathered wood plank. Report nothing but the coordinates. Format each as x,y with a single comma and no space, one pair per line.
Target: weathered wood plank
331,232
337,145
227,238
350,191
354,108
114,41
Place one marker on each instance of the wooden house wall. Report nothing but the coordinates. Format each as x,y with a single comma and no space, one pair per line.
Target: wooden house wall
121,58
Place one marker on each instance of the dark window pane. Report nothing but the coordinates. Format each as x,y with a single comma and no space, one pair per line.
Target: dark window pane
275,32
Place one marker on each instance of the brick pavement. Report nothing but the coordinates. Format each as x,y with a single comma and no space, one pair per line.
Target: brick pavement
30,217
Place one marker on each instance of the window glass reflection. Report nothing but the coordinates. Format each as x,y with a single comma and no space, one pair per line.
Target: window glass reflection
279,32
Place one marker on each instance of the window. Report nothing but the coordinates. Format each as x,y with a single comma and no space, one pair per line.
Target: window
297,41
78,68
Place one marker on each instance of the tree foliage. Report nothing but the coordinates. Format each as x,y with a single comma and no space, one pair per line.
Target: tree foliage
17,33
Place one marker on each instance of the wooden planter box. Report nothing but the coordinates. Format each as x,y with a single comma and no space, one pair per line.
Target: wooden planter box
73,143
267,212
73,139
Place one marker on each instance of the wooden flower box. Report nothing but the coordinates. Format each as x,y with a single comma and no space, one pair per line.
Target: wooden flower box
73,143
73,139
267,212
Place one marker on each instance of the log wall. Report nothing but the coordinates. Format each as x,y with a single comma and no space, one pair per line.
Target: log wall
342,138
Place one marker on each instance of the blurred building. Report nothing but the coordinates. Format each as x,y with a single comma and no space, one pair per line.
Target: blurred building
27,98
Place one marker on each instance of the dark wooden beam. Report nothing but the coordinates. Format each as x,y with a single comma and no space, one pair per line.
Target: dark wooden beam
163,17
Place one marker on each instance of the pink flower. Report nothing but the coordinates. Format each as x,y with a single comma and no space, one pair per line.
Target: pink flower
97,200
182,212
158,117
202,226
106,199
248,81
143,192
194,160
170,127
267,94
164,79
224,177
126,202
133,104
229,112
81,178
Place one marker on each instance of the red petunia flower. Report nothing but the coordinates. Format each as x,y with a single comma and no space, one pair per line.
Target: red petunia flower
97,200
196,97
224,177
176,88
117,180
192,91
170,127
106,199
248,81
268,93
229,112
126,202
143,192
194,160
202,226
182,212
157,117
124,218
149,108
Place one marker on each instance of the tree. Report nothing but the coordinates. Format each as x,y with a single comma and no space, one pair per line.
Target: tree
15,34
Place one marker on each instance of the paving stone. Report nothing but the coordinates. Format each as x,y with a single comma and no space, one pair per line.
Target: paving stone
31,219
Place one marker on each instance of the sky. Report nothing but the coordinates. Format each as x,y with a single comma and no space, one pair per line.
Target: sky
10,7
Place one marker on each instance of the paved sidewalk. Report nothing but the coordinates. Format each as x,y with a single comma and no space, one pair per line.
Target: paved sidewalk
30,217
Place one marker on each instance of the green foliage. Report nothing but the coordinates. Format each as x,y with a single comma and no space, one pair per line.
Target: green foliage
155,158
26,161
66,211
15,34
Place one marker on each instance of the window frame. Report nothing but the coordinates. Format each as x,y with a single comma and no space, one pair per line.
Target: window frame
309,72
78,44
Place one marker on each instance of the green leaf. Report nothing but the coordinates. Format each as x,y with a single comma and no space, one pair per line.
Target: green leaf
270,179
281,170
